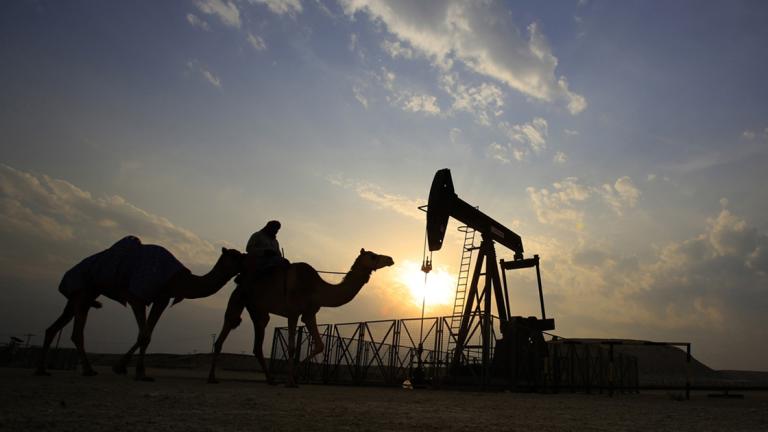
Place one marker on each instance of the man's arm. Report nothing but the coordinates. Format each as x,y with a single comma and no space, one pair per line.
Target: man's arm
252,243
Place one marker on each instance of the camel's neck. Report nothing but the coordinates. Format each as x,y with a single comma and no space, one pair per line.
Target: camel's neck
194,286
330,295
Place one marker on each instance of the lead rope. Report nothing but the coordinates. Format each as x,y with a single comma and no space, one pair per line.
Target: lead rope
426,266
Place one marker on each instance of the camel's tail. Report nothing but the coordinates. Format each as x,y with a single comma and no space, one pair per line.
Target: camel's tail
95,304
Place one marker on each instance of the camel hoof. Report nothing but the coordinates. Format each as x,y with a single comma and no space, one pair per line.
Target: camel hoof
90,372
213,381
145,379
41,372
120,369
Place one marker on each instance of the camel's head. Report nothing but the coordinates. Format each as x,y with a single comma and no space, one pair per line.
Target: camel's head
231,261
372,261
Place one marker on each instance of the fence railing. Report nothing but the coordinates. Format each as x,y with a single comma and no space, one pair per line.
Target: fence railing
373,352
387,352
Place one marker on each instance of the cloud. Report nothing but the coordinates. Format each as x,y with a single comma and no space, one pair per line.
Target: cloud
484,101
406,99
195,21
282,7
498,152
627,190
54,219
422,103
707,288
751,135
504,153
533,134
564,203
209,76
559,204
213,79
454,135
621,195
387,78
256,42
481,37
520,154
48,225
396,49
225,10
730,235
711,280
358,92
374,194
560,158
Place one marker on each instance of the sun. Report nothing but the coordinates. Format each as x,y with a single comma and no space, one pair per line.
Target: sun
440,288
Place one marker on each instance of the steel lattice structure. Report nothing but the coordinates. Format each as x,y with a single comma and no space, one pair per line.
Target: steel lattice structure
386,352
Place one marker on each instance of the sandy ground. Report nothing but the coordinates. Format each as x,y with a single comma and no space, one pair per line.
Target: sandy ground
181,400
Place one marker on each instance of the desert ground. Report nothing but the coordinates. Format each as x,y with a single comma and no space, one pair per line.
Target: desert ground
181,400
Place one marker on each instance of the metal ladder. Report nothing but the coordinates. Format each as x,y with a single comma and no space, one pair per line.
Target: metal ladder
461,283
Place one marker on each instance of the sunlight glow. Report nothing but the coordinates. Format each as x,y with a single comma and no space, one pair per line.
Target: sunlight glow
440,289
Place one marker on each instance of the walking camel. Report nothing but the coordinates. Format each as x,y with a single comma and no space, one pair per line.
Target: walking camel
292,291
139,275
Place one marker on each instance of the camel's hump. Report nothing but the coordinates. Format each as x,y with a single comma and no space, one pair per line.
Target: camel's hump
127,266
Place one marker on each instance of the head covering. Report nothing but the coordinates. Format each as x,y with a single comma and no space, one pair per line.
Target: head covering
272,227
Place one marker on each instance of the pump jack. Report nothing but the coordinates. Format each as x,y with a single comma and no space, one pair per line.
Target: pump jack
518,355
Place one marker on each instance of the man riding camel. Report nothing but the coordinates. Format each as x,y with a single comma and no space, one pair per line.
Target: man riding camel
263,252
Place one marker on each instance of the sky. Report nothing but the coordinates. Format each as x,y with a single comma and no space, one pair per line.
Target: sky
625,142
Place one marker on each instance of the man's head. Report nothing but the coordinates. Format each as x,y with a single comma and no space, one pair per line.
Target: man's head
271,228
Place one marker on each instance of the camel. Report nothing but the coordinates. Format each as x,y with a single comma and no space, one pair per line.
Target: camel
292,291
139,275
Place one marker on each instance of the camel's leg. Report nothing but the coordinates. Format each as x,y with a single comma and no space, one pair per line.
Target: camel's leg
232,319
292,320
121,368
65,317
140,313
145,336
81,315
311,322
260,321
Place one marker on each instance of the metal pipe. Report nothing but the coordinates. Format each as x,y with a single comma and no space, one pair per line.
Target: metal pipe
506,288
688,372
541,293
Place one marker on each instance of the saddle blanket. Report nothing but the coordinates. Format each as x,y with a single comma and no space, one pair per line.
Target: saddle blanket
127,268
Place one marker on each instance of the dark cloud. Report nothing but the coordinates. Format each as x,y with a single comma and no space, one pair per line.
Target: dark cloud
54,218
715,287
48,225
711,289
589,257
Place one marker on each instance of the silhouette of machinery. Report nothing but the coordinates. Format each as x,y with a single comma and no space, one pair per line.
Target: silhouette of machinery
518,356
